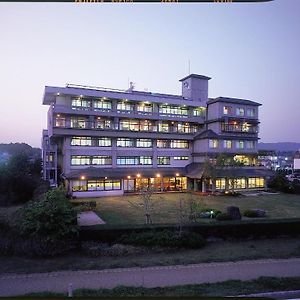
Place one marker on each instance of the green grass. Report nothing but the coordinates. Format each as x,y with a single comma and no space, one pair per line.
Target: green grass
226,288
213,252
118,211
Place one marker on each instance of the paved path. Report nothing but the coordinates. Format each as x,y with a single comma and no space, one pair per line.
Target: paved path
14,284
88,218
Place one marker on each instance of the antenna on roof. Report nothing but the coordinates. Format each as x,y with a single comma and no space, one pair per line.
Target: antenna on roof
189,67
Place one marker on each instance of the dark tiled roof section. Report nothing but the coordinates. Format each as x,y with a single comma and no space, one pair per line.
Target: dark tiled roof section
206,134
233,100
93,172
195,76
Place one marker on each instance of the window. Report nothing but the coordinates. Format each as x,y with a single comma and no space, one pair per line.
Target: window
125,106
79,186
180,144
238,183
226,110
173,110
124,142
143,143
163,127
81,141
220,184
250,144
144,108
198,111
256,182
134,160
213,144
101,123
80,160
60,121
81,103
78,122
104,142
183,127
250,112
97,185
181,158
163,160
101,160
240,111
239,144
102,105
227,144
163,143
132,125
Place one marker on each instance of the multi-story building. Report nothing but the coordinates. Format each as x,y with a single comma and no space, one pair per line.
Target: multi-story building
108,142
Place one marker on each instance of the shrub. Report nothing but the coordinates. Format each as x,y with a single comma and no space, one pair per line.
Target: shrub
254,213
52,217
165,238
223,217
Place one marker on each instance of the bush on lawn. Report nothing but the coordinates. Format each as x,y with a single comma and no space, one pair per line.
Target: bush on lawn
165,238
223,217
254,213
52,218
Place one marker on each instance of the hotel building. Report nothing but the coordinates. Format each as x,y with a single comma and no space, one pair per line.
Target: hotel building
109,142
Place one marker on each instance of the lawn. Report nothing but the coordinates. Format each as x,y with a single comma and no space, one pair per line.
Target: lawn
118,210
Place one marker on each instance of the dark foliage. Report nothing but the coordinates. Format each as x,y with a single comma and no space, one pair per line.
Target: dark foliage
165,238
280,183
223,217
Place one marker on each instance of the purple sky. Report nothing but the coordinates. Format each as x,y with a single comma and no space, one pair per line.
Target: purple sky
250,50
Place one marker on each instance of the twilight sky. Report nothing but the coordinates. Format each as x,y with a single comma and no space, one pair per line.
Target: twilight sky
251,51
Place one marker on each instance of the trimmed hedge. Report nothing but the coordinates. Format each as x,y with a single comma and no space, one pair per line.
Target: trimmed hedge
225,229
164,238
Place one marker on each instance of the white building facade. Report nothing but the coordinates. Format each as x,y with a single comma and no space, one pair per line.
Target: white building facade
109,142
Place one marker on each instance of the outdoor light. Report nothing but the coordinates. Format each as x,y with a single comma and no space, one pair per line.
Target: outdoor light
126,100
58,115
82,177
81,96
211,213
57,94
105,177
128,176
157,175
177,174
138,175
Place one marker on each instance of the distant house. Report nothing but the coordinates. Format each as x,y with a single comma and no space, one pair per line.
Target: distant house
297,161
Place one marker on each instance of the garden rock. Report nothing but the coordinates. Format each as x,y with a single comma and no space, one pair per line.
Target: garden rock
260,213
234,212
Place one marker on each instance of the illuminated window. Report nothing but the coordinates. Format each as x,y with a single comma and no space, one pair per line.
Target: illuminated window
179,144
220,184
144,108
81,103
245,127
125,142
163,160
163,127
125,106
172,110
60,121
213,144
81,141
104,142
134,160
101,160
181,158
102,105
143,143
227,144
227,110
78,122
238,183
256,182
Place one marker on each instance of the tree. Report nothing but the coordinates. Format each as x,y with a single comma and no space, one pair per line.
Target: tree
146,192
52,217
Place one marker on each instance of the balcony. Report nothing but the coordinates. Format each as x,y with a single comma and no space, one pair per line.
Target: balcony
239,128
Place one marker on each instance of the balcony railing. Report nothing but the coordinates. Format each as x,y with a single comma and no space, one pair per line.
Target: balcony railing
239,128
96,125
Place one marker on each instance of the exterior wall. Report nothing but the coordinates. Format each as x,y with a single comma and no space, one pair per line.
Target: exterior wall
94,194
296,163
195,96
